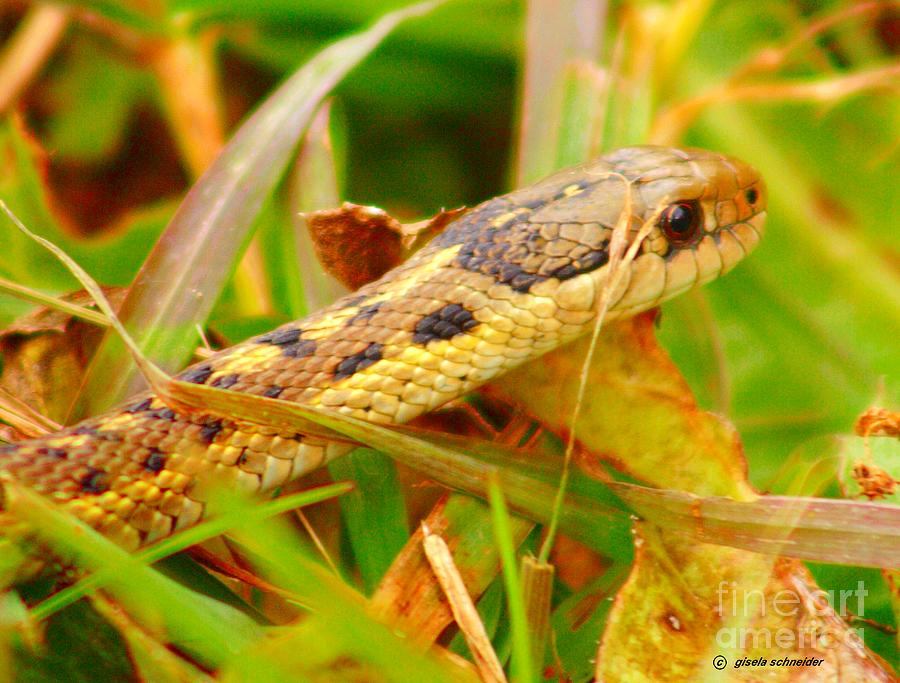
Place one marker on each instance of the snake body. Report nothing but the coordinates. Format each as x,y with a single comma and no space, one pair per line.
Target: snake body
508,281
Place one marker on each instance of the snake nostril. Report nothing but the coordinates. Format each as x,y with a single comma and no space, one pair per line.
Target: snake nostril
752,195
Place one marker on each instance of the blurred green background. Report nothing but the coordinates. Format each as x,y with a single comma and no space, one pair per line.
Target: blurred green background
792,347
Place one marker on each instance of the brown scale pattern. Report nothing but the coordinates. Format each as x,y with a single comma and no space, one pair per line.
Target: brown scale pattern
510,280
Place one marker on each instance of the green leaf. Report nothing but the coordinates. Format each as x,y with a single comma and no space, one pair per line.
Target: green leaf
374,512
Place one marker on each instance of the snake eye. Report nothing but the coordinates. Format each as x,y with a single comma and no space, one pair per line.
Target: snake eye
680,222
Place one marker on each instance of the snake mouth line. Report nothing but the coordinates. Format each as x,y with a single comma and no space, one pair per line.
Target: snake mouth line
655,279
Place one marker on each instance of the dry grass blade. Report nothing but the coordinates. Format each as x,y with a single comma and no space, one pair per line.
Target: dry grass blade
619,262
151,372
317,541
774,58
824,530
671,124
29,49
537,593
36,297
464,611
23,417
214,562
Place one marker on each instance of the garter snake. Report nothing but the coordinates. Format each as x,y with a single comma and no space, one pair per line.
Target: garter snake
506,282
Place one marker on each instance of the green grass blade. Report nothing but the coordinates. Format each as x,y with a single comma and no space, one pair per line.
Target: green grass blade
196,534
374,512
41,299
523,671
275,550
210,630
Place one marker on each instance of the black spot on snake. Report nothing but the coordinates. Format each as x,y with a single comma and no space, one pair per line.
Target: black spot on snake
365,313
85,430
162,414
508,272
590,261
140,407
445,323
280,337
538,203
565,272
155,461
523,281
355,300
358,361
225,381
95,481
210,430
196,375
273,392
300,349
58,453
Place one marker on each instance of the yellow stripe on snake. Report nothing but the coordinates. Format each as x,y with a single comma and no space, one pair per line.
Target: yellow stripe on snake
508,281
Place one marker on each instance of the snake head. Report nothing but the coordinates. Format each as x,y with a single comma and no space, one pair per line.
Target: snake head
705,212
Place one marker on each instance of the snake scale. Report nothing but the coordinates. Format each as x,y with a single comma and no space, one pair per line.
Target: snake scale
506,282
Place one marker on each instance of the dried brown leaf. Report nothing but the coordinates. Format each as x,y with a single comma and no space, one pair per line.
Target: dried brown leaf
641,417
45,353
878,422
874,482
639,414
409,594
358,244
